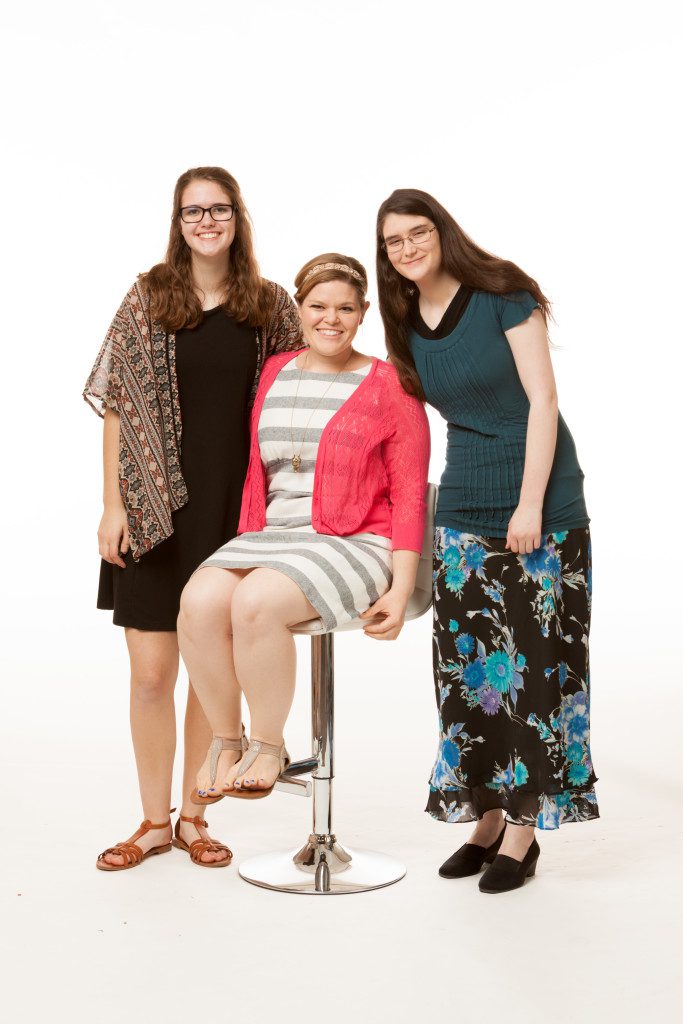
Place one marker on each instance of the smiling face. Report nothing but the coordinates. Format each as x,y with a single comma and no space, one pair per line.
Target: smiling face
208,238
331,314
415,262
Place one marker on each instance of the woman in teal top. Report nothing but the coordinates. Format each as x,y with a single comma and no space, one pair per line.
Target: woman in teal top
467,332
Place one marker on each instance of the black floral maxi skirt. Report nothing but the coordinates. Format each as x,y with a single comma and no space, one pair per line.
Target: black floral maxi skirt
512,680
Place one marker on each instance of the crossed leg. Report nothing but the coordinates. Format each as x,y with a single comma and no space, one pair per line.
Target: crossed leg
205,641
233,632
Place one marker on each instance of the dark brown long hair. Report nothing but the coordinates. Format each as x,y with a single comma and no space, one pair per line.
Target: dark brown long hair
460,257
173,300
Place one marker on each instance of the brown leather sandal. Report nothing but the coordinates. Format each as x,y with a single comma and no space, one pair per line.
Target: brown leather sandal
201,846
257,747
218,745
132,854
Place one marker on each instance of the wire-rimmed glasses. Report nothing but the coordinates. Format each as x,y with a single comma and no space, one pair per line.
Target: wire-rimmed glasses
416,237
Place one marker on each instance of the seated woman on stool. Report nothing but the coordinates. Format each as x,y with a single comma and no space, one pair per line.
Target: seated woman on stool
331,527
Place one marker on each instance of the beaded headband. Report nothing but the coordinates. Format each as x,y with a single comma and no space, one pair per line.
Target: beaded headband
319,267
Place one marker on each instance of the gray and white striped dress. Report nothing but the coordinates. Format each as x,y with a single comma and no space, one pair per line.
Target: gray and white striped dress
340,576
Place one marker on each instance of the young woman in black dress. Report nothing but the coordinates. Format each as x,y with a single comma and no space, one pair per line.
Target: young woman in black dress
174,380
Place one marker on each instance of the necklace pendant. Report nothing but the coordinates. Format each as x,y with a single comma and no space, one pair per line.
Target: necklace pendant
296,463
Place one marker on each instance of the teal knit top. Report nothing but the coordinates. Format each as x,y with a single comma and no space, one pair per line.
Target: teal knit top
470,377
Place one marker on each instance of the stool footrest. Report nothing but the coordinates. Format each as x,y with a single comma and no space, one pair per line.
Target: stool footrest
295,787
303,767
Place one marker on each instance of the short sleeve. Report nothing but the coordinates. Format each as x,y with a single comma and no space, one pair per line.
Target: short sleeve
514,308
284,331
103,387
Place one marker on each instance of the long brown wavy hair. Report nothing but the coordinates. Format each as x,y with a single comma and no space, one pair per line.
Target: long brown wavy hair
173,300
460,257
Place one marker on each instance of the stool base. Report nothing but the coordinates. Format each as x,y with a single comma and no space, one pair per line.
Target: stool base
322,868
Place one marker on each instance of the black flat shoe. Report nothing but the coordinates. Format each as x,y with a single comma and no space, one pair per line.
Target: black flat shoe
506,873
470,858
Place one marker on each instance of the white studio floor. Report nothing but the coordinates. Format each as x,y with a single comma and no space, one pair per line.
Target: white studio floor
595,936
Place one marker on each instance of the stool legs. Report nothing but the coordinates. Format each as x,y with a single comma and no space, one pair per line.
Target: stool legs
322,855
322,729
322,866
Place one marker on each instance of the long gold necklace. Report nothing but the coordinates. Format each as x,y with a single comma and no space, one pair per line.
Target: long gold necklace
296,456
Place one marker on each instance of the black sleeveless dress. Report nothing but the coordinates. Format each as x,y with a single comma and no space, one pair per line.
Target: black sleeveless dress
216,364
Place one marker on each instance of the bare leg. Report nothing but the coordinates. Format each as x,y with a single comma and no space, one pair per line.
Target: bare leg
487,828
264,605
518,839
154,669
205,638
197,739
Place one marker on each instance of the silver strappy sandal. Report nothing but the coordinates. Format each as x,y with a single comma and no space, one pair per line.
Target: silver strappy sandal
255,748
218,745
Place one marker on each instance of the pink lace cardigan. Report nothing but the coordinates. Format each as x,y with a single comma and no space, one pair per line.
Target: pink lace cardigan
371,470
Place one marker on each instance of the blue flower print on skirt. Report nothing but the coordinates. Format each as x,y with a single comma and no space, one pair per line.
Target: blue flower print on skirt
512,680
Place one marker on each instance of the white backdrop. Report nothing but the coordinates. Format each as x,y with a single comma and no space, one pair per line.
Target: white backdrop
551,132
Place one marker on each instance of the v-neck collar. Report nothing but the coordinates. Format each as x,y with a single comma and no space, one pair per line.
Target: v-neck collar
430,345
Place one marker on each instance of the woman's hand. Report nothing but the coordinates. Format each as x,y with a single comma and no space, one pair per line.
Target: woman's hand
392,606
524,530
112,535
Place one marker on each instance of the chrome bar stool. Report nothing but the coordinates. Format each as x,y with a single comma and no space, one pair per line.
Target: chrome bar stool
322,865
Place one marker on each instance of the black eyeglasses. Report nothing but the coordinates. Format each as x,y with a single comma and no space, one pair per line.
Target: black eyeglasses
219,211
